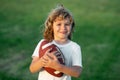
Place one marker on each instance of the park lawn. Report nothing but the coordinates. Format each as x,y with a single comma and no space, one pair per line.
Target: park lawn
96,31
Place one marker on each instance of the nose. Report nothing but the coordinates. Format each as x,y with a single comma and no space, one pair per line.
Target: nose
63,27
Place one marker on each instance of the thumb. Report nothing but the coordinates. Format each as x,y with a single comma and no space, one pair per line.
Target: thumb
52,55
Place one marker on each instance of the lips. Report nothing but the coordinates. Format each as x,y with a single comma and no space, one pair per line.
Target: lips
63,32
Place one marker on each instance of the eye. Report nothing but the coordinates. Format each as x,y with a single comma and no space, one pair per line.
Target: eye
67,24
59,24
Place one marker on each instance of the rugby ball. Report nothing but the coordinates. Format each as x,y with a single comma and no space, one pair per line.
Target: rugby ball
45,45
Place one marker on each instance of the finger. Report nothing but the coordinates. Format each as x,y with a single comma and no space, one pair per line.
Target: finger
52,55
49,57
45,58
48,51
54,52
43,61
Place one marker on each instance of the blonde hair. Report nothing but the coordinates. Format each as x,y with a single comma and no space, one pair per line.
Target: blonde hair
58,12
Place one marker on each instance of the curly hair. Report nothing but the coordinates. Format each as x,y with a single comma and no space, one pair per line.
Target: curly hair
58,12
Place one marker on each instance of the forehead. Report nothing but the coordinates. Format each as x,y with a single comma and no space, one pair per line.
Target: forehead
58,19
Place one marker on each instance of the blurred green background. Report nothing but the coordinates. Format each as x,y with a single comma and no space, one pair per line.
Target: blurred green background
97,31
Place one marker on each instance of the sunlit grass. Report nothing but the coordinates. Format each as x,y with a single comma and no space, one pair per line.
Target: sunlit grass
97,31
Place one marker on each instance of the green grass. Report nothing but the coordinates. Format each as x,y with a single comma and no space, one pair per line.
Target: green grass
97,31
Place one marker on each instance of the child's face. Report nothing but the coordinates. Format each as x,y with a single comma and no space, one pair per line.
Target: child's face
61,28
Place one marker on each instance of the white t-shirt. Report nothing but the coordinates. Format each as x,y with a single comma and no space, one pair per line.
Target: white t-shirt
72,55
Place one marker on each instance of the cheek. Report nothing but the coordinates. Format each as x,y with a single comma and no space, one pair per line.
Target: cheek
55,29
69,28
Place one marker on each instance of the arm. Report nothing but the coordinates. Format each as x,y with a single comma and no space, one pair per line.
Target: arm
74,71
53,62
36,65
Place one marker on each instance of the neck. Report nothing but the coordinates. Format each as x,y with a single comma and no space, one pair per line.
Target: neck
62,41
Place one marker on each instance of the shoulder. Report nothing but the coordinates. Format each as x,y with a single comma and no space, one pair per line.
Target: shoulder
36,51
40,41
74,44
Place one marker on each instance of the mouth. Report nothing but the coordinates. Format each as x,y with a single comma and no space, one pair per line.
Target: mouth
63,32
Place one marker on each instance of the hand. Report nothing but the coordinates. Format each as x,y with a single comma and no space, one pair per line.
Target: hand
50,60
